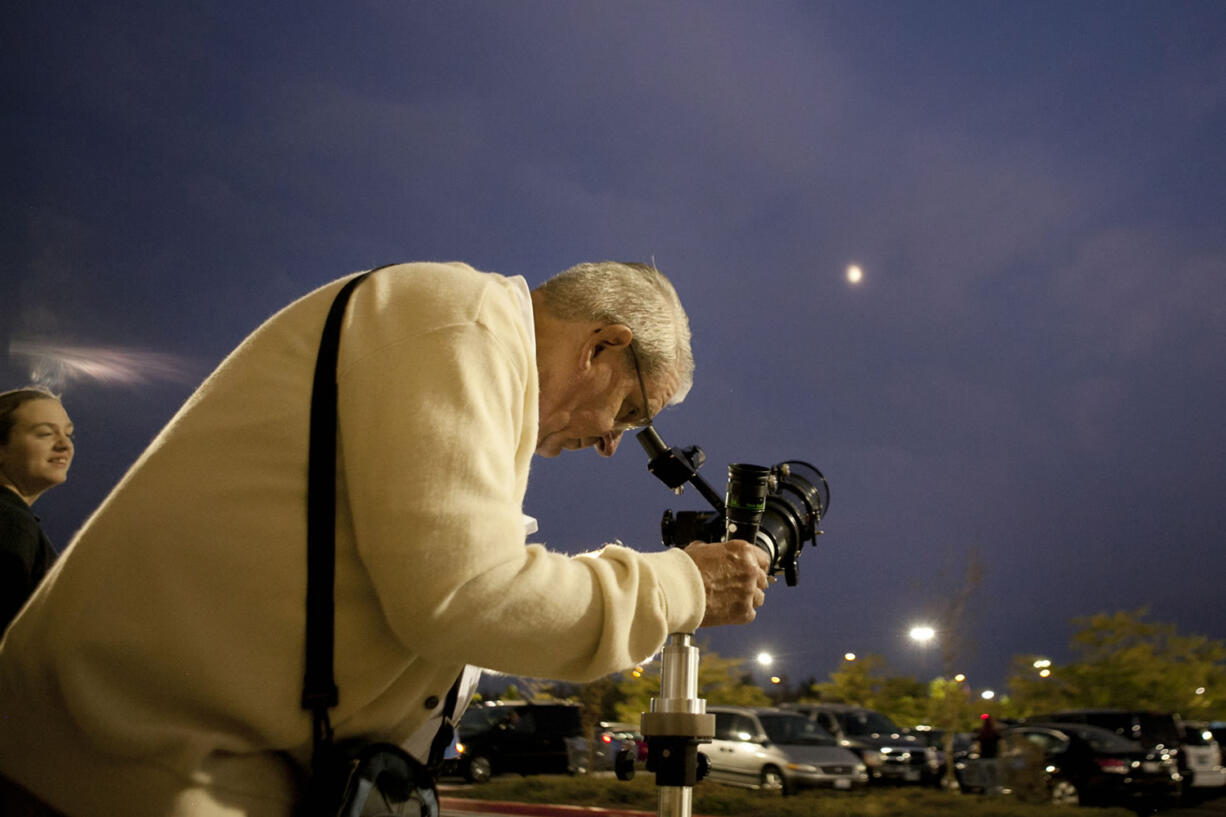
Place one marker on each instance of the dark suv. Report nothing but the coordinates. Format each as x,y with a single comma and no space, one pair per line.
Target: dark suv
889,754
519,737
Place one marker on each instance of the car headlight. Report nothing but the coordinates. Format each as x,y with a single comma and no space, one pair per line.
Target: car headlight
802,767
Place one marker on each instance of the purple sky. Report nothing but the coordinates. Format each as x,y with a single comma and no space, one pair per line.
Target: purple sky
1031,368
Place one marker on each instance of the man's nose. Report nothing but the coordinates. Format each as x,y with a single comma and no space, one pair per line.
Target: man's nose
607,444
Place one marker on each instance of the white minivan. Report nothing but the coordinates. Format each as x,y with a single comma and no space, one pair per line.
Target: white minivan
773,749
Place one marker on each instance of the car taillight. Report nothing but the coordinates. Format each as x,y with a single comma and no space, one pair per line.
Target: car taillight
1112,765
606,738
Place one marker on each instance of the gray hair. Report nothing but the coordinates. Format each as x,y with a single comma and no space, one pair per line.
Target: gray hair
637,295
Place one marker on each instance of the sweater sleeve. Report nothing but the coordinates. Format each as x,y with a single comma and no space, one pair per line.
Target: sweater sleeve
433,442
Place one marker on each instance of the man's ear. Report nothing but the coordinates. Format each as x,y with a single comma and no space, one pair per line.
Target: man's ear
610,336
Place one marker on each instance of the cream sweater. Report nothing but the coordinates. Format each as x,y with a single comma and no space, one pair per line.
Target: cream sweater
158,669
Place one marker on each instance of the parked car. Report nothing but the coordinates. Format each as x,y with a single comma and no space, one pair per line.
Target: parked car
612,737
514,736
768,748
889,754
1218,730
1077,763
1161,733
1202,758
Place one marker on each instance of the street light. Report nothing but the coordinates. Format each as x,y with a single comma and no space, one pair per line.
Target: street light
765,659
923,635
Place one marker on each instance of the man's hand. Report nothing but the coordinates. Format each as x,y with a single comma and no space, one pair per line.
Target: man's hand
734,575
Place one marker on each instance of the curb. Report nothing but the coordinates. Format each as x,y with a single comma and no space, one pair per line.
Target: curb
534,809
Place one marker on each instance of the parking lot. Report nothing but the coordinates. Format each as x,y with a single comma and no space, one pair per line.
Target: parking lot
1216,806
456,803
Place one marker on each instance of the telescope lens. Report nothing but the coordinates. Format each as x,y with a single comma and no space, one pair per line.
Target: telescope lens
792,514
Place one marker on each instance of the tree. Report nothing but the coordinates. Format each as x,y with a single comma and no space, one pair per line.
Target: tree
948,717
1031,693
858,682
864,682
904,699
950,709
1130,663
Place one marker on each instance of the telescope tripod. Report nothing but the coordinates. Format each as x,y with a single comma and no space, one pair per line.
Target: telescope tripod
677,723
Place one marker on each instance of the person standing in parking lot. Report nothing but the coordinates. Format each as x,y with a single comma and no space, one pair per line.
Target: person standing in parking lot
159,670
36,448
988,741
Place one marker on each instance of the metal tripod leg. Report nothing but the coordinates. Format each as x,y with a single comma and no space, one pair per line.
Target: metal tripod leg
677,723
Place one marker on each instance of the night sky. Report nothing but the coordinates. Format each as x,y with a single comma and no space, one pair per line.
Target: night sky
1029,373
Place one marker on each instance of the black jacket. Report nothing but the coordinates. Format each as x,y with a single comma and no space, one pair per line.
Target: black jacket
25,555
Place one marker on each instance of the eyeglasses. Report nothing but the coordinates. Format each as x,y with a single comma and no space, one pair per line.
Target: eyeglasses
642,390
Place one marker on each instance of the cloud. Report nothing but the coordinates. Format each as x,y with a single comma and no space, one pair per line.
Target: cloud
1129,293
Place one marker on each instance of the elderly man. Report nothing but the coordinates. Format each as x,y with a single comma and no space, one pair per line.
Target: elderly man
158,670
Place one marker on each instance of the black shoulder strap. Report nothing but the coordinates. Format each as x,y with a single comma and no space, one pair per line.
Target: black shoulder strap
319,691
446,729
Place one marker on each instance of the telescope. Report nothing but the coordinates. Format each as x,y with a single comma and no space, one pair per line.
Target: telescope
776,508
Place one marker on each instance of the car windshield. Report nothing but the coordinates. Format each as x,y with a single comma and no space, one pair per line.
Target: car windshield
795,729
867,722
1104,740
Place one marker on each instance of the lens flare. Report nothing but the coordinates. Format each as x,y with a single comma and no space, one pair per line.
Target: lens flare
55,366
